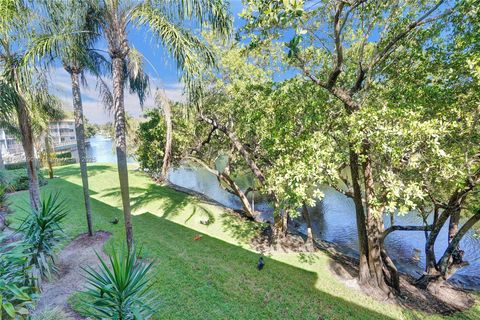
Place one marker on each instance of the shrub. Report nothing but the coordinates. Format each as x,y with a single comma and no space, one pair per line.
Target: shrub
120,288
16,180
43,232
53,314
3,198
16,166
17,289
64,155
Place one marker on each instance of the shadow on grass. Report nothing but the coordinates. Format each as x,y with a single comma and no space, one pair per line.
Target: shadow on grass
241,229
73,170
212,279
172,202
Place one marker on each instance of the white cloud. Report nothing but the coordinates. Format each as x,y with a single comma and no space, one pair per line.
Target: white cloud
92,105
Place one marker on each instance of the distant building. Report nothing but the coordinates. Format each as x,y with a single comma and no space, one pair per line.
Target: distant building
9,143
63,132
62,135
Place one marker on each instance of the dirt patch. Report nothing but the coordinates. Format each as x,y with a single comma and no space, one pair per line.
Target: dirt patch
79,253
443,299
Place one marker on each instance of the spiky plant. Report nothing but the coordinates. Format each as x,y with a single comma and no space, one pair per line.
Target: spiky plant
120,289
42,230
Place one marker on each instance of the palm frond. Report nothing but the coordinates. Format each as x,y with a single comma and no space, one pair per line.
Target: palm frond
188,51
212,13
137,77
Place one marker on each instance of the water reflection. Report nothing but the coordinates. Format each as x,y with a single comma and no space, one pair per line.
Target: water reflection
333,220
101,149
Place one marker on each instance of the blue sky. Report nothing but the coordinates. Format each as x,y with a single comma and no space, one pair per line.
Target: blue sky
160,67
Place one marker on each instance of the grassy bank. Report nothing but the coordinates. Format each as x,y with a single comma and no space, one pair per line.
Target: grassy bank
214,278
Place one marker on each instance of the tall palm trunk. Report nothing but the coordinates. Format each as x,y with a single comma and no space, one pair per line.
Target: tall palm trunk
28,147
80,134
2,164
121,143
167,157
48,153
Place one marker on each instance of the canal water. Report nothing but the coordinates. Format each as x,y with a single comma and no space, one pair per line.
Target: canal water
333,220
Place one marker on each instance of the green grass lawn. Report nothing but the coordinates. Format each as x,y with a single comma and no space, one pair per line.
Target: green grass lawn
214,278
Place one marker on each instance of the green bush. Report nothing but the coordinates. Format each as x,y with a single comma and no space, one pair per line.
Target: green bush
43,232
17,289
16,180
64,155
3,198
16,166
53,314
120,288
64,161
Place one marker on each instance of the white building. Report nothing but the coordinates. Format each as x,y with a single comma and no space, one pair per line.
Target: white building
63,138
63,132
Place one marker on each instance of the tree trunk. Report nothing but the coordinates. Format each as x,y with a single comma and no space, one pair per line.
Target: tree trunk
167,157
2,164
308,220
239,147
375,228
364,273
453,227
446,261
27,143
48,153
121,143
82,155
432,272
225,176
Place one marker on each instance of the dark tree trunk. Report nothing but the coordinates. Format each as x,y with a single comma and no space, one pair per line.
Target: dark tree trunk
121,143
246,156
453,225
375,230
225,176
432,270
364,272
239,147
82,154
447,261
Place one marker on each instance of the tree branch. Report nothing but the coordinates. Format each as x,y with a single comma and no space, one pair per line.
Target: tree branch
419,22
406,228
337,30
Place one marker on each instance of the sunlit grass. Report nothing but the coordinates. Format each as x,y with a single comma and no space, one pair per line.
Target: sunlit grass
215,277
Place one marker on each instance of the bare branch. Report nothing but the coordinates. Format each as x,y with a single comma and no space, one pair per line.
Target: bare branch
406,228
337,30
389,48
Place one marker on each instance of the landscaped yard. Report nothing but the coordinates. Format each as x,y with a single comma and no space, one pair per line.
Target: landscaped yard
215,277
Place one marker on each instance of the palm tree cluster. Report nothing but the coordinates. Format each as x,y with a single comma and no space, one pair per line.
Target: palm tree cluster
37,35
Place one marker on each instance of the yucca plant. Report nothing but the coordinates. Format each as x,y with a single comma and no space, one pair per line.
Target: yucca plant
119,290
43,232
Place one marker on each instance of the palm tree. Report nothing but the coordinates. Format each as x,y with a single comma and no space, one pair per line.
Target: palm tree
23,87
166,21
40,122
70,34
2,163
